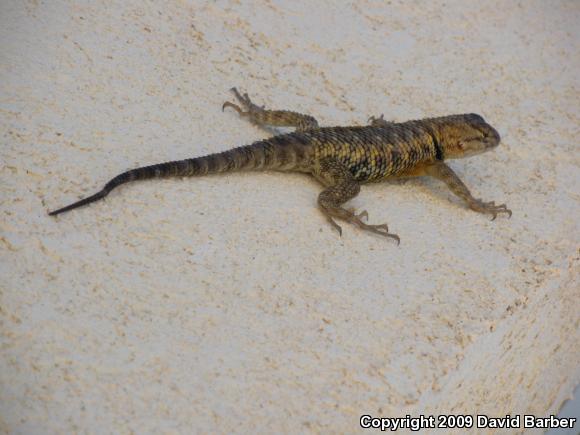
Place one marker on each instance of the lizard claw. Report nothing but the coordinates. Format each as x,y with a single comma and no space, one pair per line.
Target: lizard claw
382,230
335,225
233,106
491,208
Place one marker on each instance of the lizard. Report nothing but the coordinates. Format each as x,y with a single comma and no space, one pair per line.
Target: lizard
340,158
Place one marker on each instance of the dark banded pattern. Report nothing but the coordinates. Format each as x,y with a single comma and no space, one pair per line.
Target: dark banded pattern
288,152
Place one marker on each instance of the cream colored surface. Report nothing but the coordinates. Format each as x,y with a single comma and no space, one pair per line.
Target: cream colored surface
228,303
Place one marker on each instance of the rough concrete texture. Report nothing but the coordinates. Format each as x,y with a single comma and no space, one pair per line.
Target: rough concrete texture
228,303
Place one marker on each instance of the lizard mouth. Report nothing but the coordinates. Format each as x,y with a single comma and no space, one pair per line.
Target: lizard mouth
477,145
491,137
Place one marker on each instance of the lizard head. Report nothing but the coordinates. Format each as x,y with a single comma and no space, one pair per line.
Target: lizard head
467,135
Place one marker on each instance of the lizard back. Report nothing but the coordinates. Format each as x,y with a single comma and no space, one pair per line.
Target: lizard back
375,153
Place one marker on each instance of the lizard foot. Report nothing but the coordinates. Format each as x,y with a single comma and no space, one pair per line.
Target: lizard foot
490,208
382,229
356,219
378,122
245,102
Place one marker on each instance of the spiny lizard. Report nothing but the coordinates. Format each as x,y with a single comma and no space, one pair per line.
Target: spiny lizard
341,158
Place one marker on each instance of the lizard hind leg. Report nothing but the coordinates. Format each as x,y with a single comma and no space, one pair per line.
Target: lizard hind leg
341,188
264,118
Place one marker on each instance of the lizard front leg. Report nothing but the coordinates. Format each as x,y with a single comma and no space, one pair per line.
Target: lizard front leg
444,173
341,187
275,118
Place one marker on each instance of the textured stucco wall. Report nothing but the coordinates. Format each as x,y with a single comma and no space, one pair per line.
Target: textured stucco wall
228,303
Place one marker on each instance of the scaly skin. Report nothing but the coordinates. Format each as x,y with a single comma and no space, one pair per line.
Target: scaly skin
341,158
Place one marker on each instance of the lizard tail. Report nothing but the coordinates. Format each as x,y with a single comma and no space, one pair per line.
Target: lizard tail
279,153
